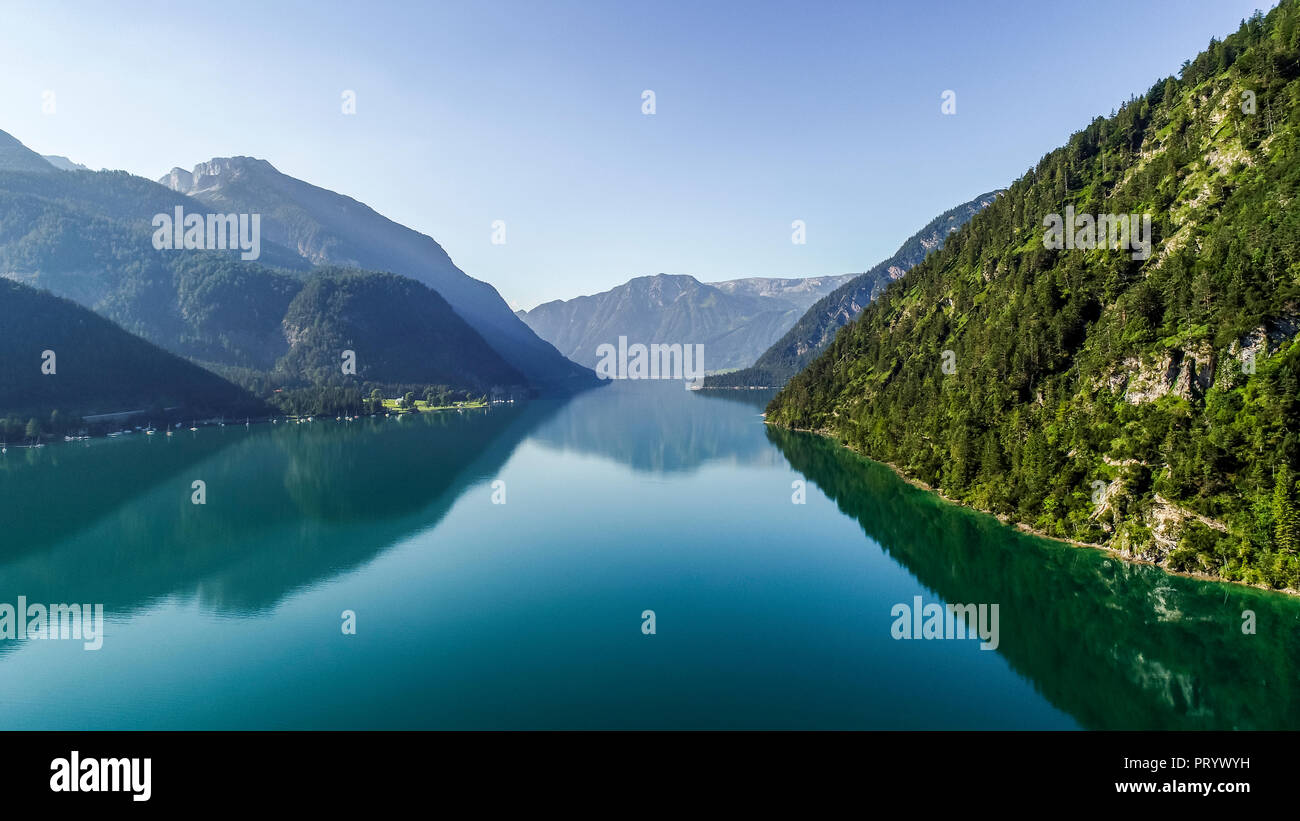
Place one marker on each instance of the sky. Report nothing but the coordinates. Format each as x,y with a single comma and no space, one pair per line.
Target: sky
531,113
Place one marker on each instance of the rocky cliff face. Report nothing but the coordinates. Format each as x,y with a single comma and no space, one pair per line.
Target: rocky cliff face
1190,371
178,179
210,176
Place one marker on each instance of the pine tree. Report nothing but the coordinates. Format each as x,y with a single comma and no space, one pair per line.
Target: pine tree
1286,520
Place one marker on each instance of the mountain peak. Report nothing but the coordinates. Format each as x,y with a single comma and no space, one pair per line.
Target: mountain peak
210,174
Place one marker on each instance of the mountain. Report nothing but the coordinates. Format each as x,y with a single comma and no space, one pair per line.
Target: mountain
14,156
733,320
401,331
818,326
97,367
88,236
324,227
63,163
1142,397
795,290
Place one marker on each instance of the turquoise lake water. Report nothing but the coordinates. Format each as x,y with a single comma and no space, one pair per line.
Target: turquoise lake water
528,614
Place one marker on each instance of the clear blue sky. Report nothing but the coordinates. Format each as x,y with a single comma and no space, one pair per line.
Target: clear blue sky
530,112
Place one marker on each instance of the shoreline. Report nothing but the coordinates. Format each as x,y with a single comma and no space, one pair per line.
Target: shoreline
166,430
1029,530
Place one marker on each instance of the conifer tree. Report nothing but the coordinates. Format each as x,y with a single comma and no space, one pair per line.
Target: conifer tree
1286,521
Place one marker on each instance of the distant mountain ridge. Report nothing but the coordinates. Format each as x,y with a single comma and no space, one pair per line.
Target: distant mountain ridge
816,328
733,320
793,289
325,227
63,163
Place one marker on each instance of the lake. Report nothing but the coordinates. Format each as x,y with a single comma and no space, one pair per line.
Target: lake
499,562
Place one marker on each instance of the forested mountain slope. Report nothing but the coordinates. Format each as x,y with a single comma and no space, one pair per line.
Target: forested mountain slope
1147,404
58,356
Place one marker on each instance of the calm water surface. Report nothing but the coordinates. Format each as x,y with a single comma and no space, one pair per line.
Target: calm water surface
528,614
